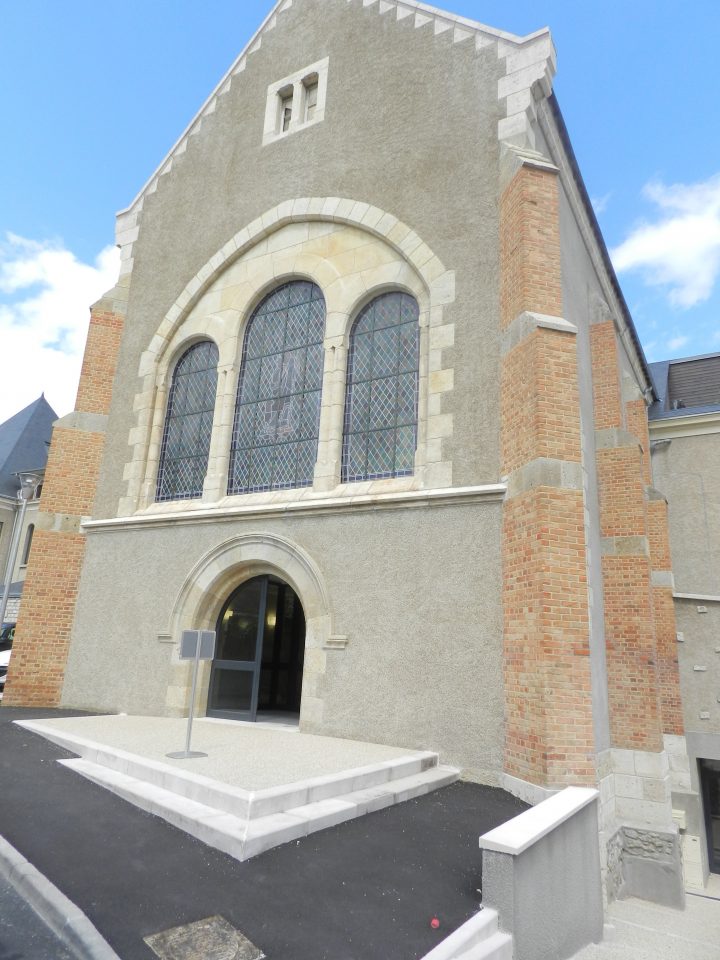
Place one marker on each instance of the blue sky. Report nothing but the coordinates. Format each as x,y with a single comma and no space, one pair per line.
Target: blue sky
93,96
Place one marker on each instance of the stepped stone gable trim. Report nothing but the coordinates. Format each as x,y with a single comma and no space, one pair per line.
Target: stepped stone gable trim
529,64
220,571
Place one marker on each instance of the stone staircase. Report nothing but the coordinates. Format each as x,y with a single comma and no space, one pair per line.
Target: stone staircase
244,823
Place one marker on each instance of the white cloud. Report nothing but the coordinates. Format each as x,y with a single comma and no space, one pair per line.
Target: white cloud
681,248
600,203
45,295
676,342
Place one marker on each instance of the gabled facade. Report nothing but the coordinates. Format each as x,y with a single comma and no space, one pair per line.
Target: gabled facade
368,400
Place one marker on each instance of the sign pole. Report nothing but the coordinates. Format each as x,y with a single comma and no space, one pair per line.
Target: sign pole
196,665
195,645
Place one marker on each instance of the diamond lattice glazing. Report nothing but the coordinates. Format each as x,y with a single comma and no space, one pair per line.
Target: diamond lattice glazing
380,432
277,412
188,424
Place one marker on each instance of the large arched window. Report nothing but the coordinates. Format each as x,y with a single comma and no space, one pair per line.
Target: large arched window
188,424
380,430
277,412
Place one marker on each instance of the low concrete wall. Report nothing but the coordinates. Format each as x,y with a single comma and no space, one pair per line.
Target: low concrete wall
541,872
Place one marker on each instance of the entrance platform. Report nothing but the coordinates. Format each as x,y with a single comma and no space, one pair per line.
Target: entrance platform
259,786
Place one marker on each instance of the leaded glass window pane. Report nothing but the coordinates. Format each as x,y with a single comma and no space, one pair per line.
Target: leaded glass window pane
188,424
277,412
380,433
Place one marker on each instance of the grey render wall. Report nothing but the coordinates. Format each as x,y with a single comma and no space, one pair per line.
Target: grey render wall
415,590
549,896
410,126
699,659
686,470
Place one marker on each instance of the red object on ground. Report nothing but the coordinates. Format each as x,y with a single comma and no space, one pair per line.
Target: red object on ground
434,923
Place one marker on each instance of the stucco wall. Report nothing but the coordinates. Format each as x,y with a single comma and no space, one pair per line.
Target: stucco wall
699,655
428,157
415,590
686,470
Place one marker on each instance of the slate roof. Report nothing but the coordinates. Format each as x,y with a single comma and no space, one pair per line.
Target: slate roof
24,442
707,367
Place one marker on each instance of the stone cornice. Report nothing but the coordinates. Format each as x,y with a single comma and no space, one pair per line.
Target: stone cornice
695,425
448,496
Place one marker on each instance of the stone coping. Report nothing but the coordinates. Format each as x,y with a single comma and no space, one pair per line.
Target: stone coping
520,833
310,505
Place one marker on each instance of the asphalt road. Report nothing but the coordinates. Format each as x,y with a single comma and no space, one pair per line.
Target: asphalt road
23,935
364,890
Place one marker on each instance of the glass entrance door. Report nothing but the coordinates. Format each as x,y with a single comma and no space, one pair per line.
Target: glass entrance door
259,652
710,783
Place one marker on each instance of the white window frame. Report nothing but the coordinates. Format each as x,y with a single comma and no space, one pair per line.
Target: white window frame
278,91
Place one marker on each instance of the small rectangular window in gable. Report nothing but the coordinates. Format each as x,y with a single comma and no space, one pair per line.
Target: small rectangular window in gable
296,102
311,95
286,104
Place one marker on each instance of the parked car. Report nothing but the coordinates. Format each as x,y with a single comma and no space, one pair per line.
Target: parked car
6,640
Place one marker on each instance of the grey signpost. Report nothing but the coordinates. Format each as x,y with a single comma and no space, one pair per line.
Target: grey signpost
195,645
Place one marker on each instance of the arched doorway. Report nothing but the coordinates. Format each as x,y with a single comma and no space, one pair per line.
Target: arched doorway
259,652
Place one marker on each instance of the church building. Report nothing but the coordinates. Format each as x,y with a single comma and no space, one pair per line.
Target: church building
368,401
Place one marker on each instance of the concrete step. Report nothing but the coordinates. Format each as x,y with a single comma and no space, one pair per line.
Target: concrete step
245,804
245,837
477,939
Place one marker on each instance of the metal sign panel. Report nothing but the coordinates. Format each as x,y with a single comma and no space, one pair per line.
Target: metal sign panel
189,641
207,644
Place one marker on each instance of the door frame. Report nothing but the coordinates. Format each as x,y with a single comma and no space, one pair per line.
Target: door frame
244,666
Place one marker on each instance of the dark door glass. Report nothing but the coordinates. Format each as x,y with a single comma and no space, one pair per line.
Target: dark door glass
260,650
238,631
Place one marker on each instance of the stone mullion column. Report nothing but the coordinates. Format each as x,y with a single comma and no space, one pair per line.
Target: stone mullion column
330,437
549,726
44,628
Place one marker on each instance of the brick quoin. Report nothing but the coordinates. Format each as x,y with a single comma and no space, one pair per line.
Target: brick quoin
530,277
665,625
643,678
42,638
548,723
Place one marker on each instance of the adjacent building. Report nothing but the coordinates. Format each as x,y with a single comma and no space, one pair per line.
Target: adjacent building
367,399
24,443
685,444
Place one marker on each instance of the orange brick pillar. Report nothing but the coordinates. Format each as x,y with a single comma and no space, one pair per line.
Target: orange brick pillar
638,611
549,722
661,579
42,638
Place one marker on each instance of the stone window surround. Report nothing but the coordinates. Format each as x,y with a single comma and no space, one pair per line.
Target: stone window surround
272,127
414,268
334,386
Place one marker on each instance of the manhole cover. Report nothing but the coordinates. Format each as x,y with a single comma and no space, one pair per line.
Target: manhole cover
211,939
